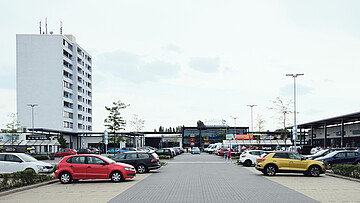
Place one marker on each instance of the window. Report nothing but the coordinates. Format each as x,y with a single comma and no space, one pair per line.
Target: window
68,85
12,158
143,156
294,156
76,160
95,160
350,154
68,105
67,95
68,114
341,154
2,157
131,156
119,157
281,155
68,124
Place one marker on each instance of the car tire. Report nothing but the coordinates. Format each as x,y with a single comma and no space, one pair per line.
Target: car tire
141,168
270,170
65,178
116,176
314,171
247,163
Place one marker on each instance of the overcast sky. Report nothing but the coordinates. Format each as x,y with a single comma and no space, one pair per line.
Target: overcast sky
176,62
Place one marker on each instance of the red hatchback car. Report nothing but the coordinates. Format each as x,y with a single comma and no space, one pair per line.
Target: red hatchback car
65,152
91,166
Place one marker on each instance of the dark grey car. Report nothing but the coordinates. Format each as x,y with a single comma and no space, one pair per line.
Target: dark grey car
142,161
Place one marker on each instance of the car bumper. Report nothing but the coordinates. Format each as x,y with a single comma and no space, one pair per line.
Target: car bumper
154,167
259,168
130,175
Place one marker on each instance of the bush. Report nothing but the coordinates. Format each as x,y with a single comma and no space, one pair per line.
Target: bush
164,157
347,170
22,178
110,156
235,157
41,157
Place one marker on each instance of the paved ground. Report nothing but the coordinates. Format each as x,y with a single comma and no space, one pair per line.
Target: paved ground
324,188
198,178
207,178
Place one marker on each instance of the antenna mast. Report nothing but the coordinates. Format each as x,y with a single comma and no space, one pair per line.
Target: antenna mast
40,26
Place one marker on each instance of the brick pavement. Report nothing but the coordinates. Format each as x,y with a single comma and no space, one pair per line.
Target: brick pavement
207,178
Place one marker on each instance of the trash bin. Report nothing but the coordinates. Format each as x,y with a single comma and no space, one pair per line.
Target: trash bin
52,156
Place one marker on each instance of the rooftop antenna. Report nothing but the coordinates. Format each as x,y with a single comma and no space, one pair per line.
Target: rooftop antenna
61,27
46,25
40,26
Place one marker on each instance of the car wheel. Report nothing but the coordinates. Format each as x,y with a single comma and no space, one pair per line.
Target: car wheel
116,176
270,170
65,178
314,171
247,163
141,169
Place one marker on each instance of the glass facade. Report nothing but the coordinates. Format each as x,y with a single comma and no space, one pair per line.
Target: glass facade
204,136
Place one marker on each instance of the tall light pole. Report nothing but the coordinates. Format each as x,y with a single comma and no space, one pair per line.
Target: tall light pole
252,126
235,124
32,116
295,126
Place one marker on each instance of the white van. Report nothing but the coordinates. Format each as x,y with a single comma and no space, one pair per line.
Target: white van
216,148
209,147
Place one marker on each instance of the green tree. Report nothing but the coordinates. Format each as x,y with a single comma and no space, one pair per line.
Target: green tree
199,124
114,121
62,141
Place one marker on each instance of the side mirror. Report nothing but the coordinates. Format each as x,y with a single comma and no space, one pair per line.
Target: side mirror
104,164
303,158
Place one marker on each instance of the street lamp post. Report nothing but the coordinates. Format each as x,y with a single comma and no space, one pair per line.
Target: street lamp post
235,124
252,126
32,116
295,126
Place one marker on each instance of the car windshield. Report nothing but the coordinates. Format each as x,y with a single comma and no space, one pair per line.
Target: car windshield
107,159
331,154
27,158
320,152
195,148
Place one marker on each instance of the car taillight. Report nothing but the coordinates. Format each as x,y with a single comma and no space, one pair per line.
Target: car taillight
154,160
243,156
261,159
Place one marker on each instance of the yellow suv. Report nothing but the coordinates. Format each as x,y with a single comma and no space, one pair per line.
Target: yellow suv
288,162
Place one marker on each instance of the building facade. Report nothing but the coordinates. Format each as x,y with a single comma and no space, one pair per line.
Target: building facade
55,73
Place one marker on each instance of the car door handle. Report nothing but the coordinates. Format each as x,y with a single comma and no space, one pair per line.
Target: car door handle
89,166
71,166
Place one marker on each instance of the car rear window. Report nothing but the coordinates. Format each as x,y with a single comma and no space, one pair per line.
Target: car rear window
2,157
131,156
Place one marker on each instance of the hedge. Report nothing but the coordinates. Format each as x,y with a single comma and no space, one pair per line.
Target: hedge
22,178
347,170
41,157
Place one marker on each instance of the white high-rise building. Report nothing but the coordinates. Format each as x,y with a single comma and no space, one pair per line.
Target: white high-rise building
55,73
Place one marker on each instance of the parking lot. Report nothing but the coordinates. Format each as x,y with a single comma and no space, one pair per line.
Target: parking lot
198,178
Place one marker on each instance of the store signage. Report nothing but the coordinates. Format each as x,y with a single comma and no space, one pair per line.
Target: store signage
244,137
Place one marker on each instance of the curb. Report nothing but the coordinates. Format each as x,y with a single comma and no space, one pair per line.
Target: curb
342,177
28,187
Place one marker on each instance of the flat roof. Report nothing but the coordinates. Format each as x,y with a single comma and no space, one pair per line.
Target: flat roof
347,118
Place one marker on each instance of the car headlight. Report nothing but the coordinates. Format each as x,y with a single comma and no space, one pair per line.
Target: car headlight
40,167
128,169
322,163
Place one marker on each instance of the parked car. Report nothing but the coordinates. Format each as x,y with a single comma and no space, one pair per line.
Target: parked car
127,149
13,162
84,151
65,152
225,151
177,151
172,151
94,150
142,161
248,158
288,162
341,157
195,150
165,151
322,153
111,150
315,150
91,166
